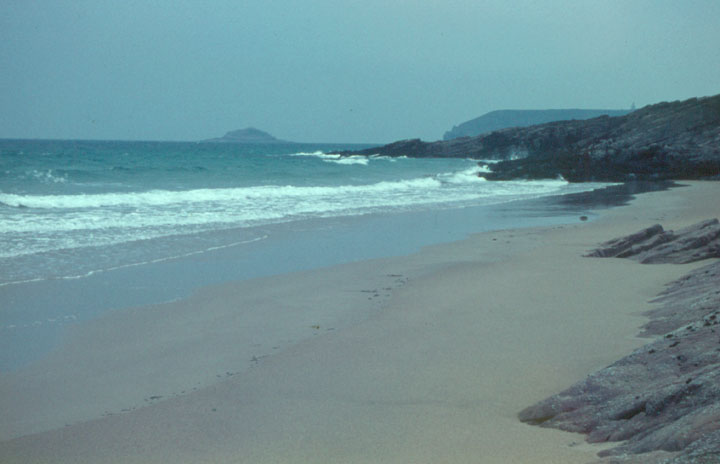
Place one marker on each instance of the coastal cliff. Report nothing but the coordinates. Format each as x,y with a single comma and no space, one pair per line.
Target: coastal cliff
677,140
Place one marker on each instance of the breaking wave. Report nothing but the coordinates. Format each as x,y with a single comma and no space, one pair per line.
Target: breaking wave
44,223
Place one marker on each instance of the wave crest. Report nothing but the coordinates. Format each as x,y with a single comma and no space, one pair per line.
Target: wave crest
170,197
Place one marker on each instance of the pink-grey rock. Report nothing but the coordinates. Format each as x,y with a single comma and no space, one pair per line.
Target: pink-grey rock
656,245
661,404
620,247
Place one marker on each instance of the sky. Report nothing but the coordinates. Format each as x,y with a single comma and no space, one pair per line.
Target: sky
337,70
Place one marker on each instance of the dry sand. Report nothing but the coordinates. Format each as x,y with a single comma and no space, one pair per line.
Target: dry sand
436,354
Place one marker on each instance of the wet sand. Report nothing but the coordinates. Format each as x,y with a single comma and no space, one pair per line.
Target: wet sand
433,356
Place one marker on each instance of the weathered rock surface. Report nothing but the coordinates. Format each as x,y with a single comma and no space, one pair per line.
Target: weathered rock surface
678,140
662,402
684,301
655,245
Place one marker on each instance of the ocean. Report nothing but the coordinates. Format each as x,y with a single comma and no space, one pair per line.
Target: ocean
87,226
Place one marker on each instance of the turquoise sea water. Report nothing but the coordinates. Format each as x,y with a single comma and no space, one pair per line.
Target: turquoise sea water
88,226
68,209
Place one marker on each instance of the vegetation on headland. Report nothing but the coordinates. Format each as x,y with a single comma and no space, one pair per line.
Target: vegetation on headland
502,119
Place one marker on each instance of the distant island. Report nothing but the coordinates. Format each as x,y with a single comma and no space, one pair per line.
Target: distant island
502,119
248,135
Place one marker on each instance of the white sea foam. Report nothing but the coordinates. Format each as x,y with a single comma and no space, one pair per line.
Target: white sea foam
354,159
468,176
317,154
54,222
156,198
44,223
48,177
337,158
484,165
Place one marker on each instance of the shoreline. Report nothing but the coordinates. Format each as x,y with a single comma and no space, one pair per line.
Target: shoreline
35,314
457,339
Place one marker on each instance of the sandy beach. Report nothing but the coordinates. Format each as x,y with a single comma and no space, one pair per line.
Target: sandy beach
432,359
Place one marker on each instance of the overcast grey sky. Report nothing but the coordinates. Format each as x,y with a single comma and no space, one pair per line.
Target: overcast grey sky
334,70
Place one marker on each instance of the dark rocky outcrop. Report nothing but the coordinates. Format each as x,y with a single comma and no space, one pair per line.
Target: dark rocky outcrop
502,119
678,140
662,402
248,135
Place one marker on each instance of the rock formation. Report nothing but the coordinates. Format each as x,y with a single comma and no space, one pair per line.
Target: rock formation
655,245
662,402
678,140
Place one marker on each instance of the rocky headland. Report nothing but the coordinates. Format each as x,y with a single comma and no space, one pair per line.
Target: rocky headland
677,140
662,402
502,119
